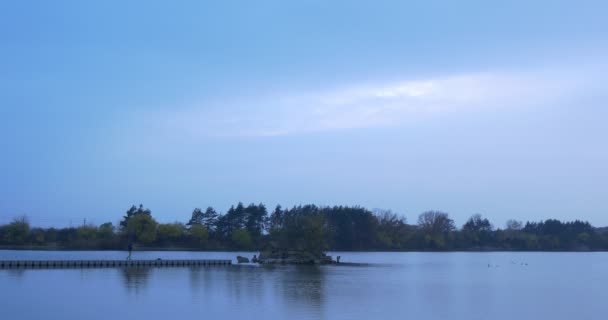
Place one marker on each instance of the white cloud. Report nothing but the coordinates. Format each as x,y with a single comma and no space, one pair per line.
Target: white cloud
375,105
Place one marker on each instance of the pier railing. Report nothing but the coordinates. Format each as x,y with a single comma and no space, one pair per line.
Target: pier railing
39,264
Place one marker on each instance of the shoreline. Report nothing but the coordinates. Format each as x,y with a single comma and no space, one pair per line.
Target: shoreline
186,249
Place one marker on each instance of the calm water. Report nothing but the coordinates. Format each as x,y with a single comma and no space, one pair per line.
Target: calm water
393,286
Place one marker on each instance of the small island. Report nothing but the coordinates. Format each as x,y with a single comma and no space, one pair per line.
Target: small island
294,257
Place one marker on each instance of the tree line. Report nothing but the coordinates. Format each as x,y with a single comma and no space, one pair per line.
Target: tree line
309,227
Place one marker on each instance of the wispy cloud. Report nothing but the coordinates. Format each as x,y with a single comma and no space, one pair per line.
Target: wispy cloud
375,105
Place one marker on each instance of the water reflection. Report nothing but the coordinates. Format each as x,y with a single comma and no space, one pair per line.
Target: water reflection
239,282
16,273
291,289
303,284
302,288
418,286
202,280
135,279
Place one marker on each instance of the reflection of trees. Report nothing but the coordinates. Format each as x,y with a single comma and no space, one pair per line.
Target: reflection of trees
238,282
135,278
201,278
303,287
288,288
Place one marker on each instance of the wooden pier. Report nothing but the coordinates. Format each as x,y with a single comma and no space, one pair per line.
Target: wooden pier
59,264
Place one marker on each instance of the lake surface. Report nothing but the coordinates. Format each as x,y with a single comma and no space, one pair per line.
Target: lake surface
497,285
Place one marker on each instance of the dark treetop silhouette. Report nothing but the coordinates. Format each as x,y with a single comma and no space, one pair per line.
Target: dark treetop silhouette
307,227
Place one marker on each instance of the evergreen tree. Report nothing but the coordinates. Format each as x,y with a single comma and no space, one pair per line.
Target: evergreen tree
196,218
209,218
132,212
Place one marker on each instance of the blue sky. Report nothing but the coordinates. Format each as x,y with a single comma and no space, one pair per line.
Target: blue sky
496,108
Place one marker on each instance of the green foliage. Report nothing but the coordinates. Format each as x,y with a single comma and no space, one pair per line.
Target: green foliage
199,233
251,218
349,228
17,232
209,218
392,233
476,231
312,229
197,217
477,224
132,212
142,228
436,229
170,231
86,232
301,228
106,231
435,222
242,239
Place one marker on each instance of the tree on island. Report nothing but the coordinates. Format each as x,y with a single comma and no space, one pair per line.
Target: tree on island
255,221
300,239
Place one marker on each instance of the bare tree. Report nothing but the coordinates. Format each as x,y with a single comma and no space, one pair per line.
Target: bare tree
436,222
514,225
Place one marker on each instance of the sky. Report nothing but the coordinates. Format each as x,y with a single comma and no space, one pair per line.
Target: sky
490,107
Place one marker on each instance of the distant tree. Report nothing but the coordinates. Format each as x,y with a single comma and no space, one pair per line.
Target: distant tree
210,217
197,217
199,233
86,232
514,225
238,216
313,229
106,231
66,235
17,232
222,228
170,231
477,224
132,212
552,227
312,232
50,235
241,238
142,228
392,231
436,227
255,218
436,222
302,228
349,228
476,231
37,235
275,222
233,219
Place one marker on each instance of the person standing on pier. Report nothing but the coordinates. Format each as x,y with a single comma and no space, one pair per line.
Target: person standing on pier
130,248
